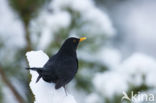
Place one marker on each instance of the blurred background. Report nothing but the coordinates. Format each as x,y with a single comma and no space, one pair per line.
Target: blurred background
119,54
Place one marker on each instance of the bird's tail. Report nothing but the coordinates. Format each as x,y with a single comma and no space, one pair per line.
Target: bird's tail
34,68
39,71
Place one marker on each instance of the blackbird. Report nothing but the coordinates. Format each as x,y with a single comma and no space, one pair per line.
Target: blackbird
61,67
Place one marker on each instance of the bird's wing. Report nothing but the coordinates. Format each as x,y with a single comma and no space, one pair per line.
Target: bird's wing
50,62
77,62
66,71
49,74
67,68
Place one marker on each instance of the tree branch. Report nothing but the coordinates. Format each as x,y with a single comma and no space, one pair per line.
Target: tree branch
27,38
11,87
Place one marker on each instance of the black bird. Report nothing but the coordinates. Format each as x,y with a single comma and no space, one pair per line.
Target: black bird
61,67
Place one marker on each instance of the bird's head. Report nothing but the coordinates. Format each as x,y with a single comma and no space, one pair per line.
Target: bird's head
71,43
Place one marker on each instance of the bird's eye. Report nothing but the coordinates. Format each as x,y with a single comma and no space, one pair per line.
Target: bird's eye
74,41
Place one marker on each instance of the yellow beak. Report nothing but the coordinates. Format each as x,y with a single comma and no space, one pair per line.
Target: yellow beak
82,39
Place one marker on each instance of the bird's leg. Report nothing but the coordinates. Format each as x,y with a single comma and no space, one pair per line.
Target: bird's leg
65,90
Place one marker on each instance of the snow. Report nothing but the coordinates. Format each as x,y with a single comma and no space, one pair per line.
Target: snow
93,98
11,28
139,65
135,71
50,24
110,57
45,92
11,33
92,20
110,84
37,58
76,5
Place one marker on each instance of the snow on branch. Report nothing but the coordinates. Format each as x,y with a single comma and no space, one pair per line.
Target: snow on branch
45,92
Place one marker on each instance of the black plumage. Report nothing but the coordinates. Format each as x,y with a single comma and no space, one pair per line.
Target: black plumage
61,67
